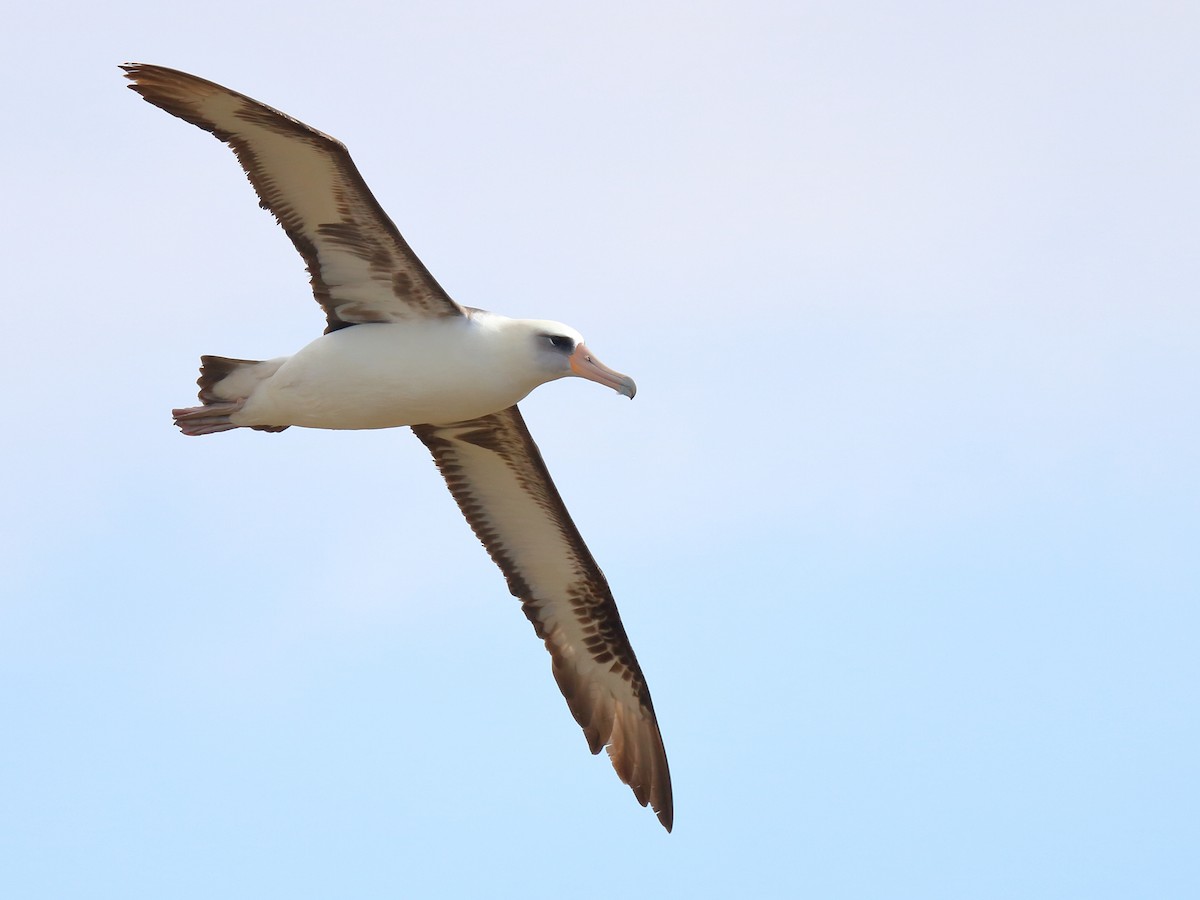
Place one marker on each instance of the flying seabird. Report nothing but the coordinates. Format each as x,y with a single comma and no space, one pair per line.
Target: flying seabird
397,350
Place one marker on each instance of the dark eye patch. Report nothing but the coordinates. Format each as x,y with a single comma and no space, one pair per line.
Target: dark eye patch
562,342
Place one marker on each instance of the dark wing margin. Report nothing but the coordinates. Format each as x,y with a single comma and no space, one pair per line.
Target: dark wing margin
496,474
362,269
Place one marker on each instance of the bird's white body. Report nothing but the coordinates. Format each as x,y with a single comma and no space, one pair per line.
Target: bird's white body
383,375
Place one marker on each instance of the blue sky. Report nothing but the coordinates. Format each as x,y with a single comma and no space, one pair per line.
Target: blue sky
902,522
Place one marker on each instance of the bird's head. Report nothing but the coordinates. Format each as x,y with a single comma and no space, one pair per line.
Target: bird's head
561,351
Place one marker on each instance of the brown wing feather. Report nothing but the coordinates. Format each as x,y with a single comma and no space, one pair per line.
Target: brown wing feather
362,269
495,472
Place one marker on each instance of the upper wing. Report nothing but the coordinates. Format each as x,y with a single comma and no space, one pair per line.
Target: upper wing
362,269
496,474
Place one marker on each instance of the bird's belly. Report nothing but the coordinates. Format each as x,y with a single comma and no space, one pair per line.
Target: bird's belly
378,404
345,384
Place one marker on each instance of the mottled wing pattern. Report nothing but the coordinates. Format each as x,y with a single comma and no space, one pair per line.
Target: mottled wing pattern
496,474
362,269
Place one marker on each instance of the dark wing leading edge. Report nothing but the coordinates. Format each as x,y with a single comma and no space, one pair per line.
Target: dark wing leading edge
495,472
362,269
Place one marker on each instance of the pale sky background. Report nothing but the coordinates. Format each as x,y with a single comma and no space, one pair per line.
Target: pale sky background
903,521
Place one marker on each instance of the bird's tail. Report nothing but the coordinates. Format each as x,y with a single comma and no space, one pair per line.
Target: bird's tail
224,386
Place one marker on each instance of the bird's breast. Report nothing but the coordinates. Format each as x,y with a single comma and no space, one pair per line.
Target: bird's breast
385,375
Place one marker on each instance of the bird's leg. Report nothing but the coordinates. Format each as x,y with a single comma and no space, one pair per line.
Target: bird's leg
207,419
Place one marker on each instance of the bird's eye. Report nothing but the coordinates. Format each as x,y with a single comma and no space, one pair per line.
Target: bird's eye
562,342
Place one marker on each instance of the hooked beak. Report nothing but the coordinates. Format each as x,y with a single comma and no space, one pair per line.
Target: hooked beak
587,366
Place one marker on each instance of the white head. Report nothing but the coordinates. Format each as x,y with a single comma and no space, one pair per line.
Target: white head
560,351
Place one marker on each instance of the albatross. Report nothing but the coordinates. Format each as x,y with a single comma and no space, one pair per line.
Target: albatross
398,351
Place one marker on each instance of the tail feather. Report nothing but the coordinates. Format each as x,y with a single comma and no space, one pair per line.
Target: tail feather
214,369
224,386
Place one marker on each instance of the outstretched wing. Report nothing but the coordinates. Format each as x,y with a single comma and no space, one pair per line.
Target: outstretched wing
495,472
362,269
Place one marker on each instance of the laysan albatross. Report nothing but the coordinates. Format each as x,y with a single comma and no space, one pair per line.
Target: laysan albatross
397,350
